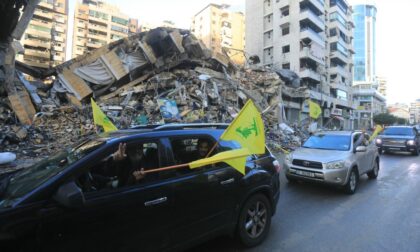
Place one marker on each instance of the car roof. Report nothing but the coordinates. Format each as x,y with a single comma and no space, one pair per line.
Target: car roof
338,132
162,130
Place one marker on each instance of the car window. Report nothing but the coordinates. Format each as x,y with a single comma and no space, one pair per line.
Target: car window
328,142
26,180
397,131
114,171
188,149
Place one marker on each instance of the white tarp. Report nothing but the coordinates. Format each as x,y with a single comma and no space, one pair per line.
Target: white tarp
96,73
132,60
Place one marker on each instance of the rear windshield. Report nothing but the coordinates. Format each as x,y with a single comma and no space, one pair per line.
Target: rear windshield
328,142
399,131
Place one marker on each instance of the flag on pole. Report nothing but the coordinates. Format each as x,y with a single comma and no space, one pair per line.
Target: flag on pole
248,130
314,109
100,118
378,130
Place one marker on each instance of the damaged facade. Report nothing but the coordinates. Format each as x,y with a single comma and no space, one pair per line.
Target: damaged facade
161,76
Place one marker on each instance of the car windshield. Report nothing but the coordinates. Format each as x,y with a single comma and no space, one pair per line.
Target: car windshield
399,131
15,186
328,142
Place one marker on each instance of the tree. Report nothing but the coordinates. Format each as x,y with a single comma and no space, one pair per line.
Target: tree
401,121
384,118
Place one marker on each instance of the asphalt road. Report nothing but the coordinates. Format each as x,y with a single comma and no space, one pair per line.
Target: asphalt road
383,215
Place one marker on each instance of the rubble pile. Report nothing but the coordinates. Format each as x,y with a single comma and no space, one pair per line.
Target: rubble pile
161,76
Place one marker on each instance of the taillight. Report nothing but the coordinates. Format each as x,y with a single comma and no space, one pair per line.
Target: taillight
277,166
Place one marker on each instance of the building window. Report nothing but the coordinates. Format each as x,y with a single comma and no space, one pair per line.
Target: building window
286,49
286,66
119,20
284,11
119,29
333,32
285,31
98,14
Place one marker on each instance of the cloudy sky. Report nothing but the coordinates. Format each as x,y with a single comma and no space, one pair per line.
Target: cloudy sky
397,35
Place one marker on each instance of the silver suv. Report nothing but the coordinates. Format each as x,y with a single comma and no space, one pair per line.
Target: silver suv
334,157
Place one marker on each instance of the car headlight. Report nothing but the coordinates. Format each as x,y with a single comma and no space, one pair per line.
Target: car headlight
289,159
335,165
411,142
378,141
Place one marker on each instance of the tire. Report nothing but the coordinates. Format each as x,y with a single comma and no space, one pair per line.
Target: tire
254,221
353,182
373,174
416,152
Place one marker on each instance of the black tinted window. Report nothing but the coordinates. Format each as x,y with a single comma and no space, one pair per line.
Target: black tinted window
399,131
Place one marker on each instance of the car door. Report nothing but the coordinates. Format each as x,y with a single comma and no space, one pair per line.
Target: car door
362,157
371,151
204,200
135,217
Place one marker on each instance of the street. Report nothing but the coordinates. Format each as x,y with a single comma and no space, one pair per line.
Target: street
383,215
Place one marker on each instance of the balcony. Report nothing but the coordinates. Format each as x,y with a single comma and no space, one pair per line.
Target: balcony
98,20
47,15
37,53
98,27
58,38
307,14
335,8
37,43
284,3
58,48
60,20
37,22
310,74
59,29
319,4
306,52
284,20
58,58
98,37
93,45
308,33
45,5
343,59
340,71
81,43
340,85
38,33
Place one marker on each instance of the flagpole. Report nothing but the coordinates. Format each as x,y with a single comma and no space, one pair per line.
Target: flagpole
166,168
212,149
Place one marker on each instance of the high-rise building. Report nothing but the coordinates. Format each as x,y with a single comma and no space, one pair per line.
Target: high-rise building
45,38
97,23
221,29
415,112
382,85
368,93
312,38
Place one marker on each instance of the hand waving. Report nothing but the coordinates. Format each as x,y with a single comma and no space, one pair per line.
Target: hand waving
120,153
139,174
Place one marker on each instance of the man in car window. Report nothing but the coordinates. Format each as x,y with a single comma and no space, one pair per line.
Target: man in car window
203,148
129,164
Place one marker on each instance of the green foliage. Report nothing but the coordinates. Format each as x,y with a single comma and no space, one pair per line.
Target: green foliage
388,119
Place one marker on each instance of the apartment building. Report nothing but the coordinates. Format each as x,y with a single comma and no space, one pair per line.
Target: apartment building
45,38
313,38
382,85
97,23
221,29
415,112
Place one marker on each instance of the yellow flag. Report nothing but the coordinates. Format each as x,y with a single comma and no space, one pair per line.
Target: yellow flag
314,109
235,158
376,132
247,129
100,118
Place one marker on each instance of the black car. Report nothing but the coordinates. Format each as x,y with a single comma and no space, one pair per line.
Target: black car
73,202
399,138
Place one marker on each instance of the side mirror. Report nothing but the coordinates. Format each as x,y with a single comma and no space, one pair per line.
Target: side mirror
69,195
361,149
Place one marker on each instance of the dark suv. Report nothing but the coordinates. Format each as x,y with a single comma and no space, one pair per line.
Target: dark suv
71,201
399,138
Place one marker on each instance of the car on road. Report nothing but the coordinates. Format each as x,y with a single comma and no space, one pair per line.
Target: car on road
69,202
336,158
399,138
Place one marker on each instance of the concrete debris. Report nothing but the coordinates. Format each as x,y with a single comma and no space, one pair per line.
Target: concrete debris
164,75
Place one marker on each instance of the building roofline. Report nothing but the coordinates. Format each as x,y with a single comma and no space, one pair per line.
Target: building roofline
210,4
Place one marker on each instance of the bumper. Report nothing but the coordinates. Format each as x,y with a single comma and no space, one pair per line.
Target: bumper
333,177
398,148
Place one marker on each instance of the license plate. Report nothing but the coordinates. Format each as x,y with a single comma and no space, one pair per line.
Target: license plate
305,173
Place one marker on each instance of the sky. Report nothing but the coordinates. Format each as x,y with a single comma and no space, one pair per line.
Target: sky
396,24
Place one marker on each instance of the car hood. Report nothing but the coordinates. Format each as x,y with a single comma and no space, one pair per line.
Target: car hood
396,137
323,156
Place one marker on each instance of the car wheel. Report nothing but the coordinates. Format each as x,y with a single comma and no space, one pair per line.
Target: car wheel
416,152
380,151
352,182
254,221
373,174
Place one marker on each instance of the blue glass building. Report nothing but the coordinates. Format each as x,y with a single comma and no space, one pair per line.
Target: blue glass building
364,17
